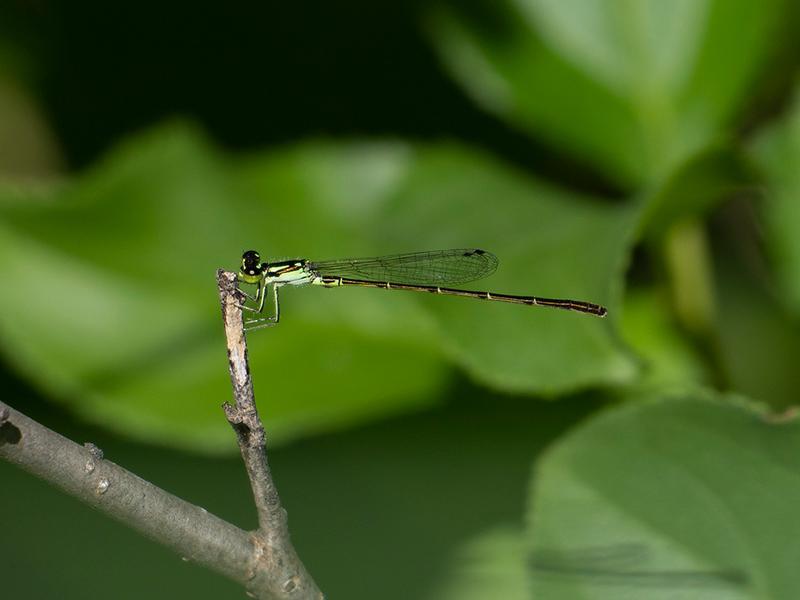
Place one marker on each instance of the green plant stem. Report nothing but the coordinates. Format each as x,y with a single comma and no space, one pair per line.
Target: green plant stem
688,263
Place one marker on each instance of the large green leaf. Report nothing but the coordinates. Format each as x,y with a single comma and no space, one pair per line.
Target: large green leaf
490,565
690,498
550,243
111,302
633,87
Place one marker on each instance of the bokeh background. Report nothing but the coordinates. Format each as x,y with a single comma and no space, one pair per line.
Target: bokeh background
642,154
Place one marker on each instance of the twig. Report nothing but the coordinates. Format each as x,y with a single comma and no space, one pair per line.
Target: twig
282,570
82,472
263,560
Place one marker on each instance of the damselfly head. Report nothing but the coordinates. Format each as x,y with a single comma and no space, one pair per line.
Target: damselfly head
251,266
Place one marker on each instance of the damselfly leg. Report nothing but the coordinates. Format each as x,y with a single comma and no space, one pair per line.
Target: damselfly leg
268,321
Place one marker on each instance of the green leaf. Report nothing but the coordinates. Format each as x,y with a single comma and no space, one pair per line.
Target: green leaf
693,496
550,243
632,87
490,565
777,153
113,306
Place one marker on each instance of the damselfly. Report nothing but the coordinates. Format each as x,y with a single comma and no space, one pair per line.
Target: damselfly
417,271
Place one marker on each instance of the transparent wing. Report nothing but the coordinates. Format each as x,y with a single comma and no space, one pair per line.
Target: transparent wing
438,267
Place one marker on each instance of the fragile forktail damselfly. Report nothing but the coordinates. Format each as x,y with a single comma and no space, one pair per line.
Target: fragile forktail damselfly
416,271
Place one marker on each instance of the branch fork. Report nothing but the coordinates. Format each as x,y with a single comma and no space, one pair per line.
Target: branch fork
271,539
264,560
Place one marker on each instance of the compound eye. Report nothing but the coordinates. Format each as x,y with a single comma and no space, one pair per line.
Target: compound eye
251,262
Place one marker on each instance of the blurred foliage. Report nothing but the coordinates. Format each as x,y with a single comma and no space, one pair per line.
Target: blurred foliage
607,516
125,254
776,151
491,563
635,88
668,359
644,155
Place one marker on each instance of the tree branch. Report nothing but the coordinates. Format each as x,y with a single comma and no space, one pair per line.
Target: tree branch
288,576
263,560
80,471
